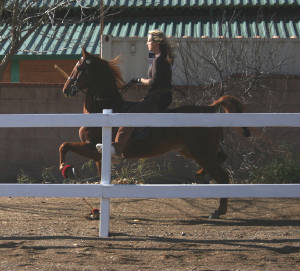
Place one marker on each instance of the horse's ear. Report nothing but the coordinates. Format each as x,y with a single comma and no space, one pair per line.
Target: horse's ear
84,52
116,60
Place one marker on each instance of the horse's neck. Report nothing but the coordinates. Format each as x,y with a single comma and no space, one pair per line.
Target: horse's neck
95,104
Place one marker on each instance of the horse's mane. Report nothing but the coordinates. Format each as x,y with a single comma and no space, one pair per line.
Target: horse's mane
114,66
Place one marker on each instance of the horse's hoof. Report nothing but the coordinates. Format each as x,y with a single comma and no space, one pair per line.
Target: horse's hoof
217,213
95,214
68,172
214,215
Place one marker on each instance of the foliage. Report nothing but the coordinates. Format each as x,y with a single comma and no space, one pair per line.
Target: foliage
23,178
281,169
48,175
132,172
88,172
165,169
242,68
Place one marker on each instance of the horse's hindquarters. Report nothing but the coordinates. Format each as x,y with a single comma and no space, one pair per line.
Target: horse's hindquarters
149,142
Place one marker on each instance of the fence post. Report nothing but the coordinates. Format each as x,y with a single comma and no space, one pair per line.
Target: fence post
105,177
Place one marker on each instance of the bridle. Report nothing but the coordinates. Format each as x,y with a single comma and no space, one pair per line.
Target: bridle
73,81
74,89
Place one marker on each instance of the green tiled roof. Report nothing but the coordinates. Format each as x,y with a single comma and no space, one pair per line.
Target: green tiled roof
197,28
68,39
164,3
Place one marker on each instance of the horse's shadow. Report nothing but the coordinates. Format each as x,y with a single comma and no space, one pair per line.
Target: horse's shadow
241,222
116,241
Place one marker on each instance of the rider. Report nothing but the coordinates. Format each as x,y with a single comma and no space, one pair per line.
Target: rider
159,95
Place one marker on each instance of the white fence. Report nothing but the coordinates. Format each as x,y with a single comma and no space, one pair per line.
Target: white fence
105,190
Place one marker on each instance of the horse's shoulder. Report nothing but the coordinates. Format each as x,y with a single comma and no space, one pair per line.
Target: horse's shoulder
126,106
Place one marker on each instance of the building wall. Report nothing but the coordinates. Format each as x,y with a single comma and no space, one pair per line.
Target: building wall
33,149
38,69
43,71
7,74
281,56
284,54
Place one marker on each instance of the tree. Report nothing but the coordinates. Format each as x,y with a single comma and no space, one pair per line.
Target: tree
241,67
23,17
212,63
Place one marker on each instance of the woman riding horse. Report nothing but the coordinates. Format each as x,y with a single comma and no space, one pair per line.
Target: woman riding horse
100,80
159,95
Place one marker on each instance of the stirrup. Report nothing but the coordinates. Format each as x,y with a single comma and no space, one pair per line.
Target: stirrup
99,148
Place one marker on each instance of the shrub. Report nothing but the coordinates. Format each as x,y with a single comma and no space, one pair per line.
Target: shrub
282,169
48,175
24,178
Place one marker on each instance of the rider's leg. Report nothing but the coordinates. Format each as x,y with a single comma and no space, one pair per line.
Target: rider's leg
120,143
121,139
154,102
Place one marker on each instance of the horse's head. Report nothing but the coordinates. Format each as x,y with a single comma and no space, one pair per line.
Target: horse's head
82,74
101,78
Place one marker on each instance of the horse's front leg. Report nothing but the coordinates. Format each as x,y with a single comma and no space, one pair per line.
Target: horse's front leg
85,149
63,149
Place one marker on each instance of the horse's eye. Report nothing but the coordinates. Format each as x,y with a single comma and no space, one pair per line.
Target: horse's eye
88,61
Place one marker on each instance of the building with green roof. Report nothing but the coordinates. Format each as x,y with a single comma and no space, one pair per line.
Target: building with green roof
128,22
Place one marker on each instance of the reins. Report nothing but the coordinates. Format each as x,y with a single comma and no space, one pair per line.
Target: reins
126,86
74,81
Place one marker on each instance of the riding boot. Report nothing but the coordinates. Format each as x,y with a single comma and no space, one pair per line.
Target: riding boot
120,143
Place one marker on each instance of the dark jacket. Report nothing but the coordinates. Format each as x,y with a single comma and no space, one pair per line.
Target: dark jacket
161,74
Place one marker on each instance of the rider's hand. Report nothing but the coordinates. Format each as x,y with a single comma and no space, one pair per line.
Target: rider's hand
135,81
132,82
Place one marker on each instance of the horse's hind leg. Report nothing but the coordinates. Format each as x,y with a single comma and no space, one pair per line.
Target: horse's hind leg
201,174
201,177
211,164
221,177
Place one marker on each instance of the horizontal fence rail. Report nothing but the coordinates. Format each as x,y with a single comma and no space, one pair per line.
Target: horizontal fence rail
105,190
151,120
151,191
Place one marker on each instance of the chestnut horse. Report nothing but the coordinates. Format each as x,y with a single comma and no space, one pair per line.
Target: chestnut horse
100,81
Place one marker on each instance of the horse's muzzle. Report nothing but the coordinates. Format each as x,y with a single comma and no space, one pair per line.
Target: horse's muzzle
70,91
72,88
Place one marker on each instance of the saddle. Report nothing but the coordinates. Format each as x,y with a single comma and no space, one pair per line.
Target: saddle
140,133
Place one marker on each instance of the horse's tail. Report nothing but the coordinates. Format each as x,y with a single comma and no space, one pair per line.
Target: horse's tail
231,104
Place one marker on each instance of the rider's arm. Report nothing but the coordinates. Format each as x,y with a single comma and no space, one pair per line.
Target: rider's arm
159,75
152,74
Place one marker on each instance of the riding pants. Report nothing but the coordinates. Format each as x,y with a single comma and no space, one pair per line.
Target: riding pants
155,102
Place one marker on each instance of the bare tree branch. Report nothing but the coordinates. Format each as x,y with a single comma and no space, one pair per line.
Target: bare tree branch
23,17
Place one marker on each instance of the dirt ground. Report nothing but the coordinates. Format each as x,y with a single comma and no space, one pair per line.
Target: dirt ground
174,234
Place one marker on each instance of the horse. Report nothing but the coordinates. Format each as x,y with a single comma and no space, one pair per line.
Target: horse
101,81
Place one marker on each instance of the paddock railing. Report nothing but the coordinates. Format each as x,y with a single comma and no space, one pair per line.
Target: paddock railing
105,190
